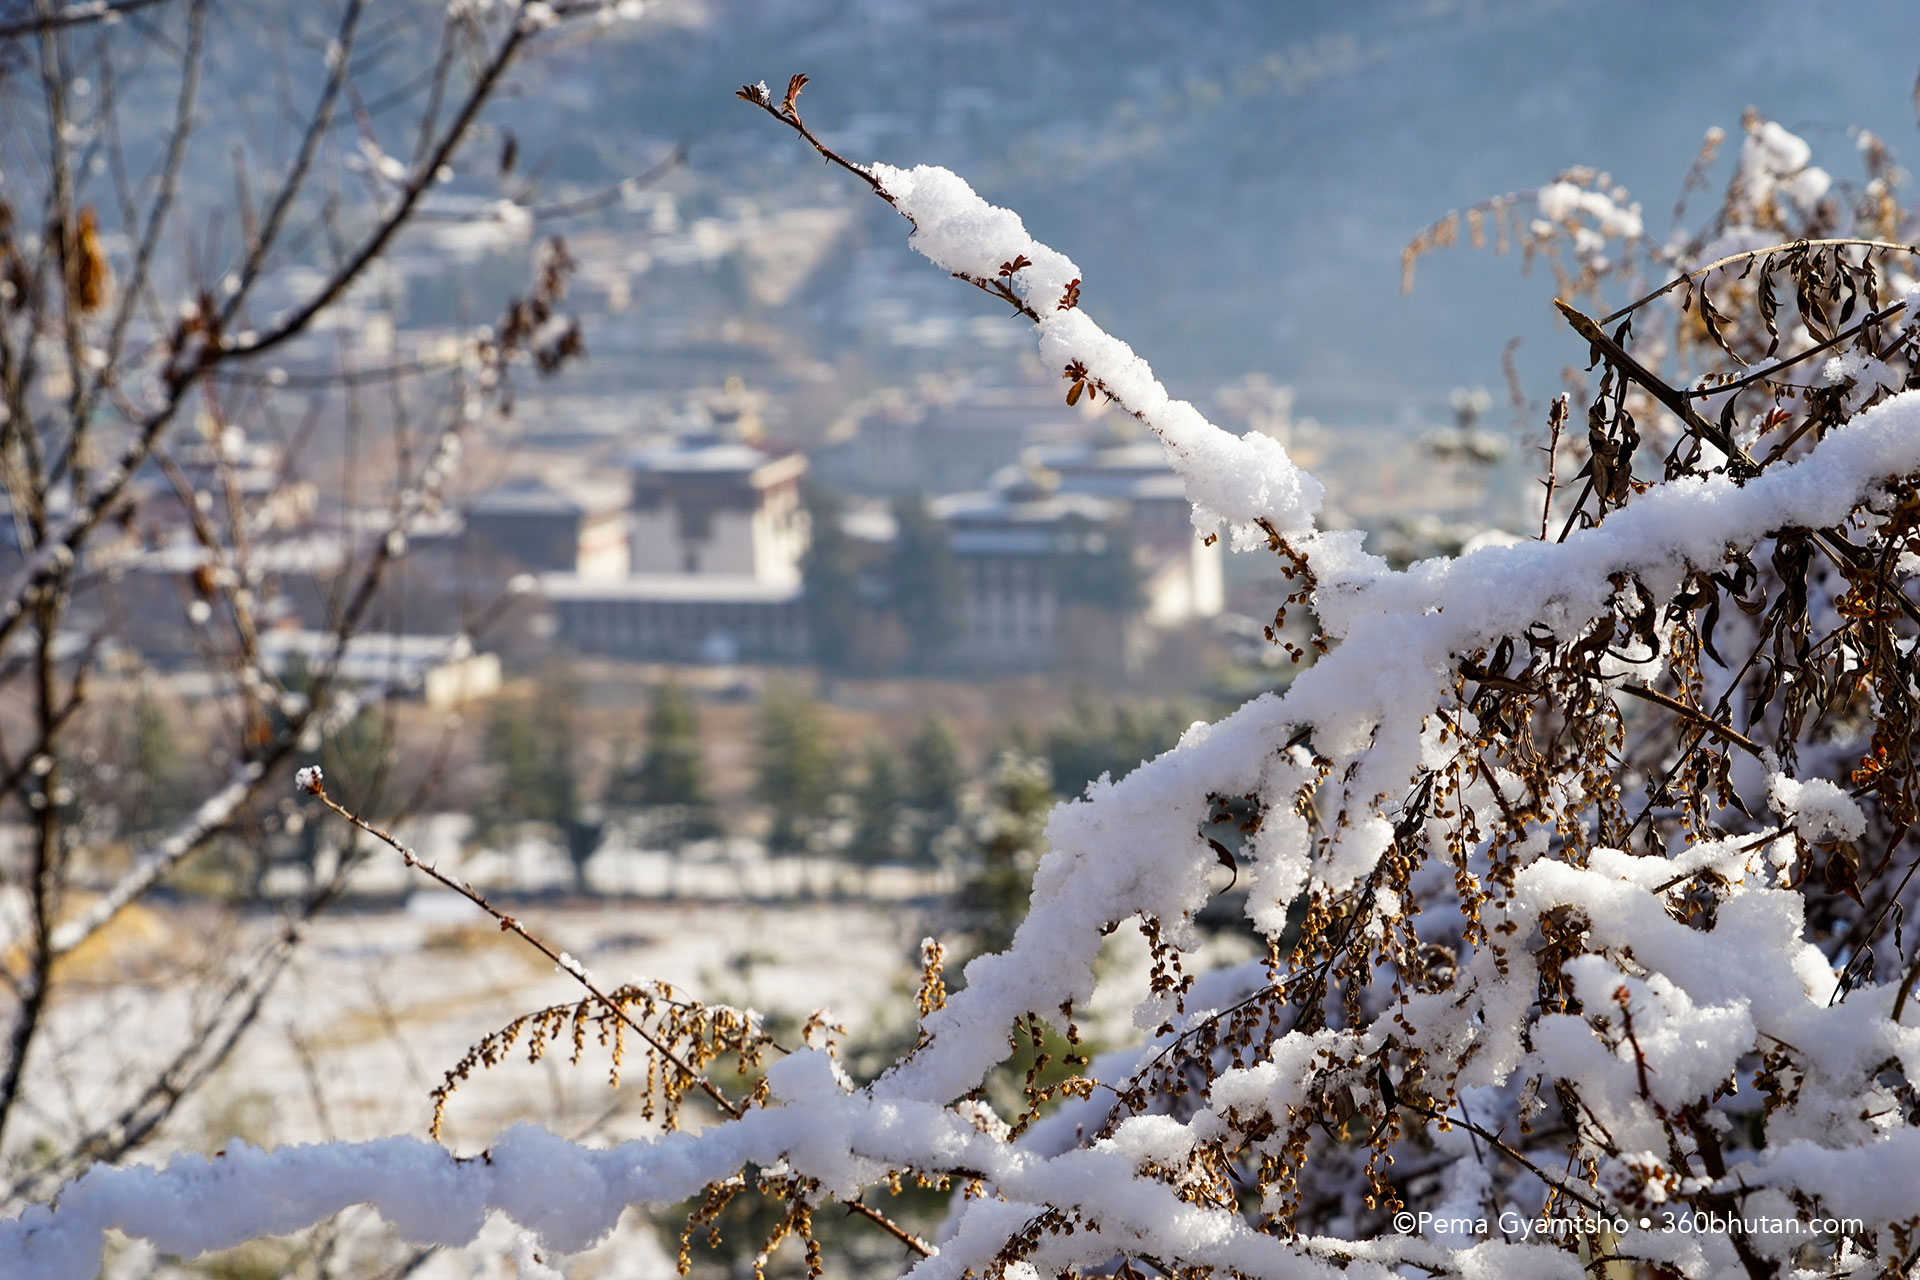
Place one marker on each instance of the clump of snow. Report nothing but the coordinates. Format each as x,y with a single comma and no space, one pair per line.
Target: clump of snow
1821,809
1864,377
1563,201
1776,165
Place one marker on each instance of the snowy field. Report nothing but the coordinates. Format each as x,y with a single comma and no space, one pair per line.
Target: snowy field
378,1004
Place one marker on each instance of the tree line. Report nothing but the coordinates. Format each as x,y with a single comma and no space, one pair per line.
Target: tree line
877,802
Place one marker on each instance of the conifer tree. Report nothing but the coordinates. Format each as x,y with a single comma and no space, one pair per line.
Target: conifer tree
934,786
798,772
529,743
1007,842
878,809
670,778
831,584
155,768
1089,741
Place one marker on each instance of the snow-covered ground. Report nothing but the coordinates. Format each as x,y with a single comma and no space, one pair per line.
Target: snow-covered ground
531,861
378,1004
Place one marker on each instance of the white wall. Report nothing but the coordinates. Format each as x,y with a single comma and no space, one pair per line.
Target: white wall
779,536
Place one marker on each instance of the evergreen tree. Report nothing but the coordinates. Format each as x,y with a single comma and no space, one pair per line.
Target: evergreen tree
156,801
935,779
671,776
674,771
798,774
923,581
1006,847
529,743
831,584
354,757
357,754
878,809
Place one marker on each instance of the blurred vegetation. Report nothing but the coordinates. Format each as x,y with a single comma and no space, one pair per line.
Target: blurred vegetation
797,770
1114,739
669,779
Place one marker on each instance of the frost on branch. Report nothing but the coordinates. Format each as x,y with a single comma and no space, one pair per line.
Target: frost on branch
1578,863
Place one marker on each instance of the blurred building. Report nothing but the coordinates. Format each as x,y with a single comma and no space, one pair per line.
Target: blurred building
716,531
1182,576
898,447
217,478
709,506
679,618
539,526
173,604
1065,565
1023,551
444,672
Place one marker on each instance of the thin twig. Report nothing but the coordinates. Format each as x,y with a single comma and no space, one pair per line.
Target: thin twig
891,1227
76,15
1766,374
340,55
1758,842
315,785
786,113
1674,401
280,378
163,198
1494,1140
1861,947
618,191
1556,422
1696,716
411,193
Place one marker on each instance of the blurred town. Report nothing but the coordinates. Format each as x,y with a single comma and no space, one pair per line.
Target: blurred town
797,473
690,610
648,649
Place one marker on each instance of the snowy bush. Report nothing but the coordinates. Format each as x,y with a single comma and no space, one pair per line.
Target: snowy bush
1578,862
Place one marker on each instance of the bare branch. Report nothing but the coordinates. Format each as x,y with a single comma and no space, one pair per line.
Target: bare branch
74,15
